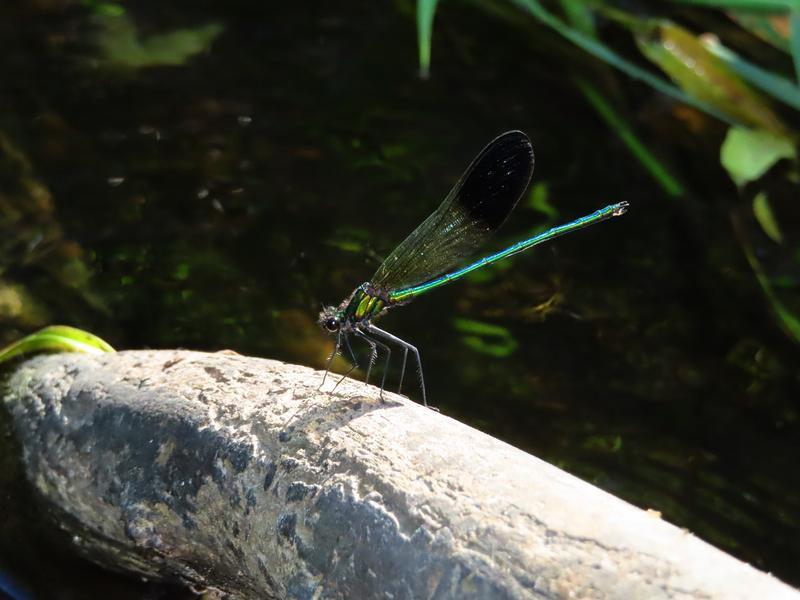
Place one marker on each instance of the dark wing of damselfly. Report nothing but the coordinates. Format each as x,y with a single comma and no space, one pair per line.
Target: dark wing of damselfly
475,208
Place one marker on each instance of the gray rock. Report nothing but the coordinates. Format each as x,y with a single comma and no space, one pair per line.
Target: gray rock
236,474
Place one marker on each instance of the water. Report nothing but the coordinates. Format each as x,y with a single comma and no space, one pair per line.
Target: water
218,203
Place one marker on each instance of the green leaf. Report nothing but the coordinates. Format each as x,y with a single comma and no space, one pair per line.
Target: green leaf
603,443
107,9
539,200
788,321
486,338
426,9
121,44
56,338
760,5
602,52
579,15
649,161
749,153
705,77
794,40
765,217
768,26
480,328
778,87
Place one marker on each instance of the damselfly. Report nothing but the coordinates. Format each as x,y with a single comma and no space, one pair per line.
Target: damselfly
474,209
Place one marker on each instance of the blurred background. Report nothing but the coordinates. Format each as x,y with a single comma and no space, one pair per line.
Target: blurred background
206,175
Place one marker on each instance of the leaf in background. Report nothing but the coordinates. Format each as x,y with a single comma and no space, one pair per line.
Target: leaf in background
749,153
579,15
121,46
775,85
625,132
788,321
426,9
56,338
765,217
681,55
108,9
600,51
538,200
772,28
486,338
758,5
794,40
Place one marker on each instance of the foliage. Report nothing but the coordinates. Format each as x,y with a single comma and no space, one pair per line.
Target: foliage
55,338
120,43
701,54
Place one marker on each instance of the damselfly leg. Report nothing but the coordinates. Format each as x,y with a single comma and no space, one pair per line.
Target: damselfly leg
376,331
374,344
353,361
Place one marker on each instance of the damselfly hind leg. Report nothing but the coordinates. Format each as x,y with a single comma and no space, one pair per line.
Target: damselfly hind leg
393,338
403,370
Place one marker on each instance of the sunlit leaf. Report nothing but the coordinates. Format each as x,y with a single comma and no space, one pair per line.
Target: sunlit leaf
480,328
426,9
486,338
56,338
701,74
778,87
749,153
765,217
603,52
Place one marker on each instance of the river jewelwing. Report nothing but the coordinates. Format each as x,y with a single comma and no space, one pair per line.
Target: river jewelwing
475,208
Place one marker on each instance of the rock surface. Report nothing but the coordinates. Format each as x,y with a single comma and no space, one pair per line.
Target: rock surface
236,474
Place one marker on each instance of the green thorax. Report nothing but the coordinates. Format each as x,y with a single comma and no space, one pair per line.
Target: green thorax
366,303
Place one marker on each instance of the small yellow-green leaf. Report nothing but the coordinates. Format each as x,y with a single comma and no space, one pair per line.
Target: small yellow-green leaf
749,153
765,217
56,338
480,328
538,200
704,76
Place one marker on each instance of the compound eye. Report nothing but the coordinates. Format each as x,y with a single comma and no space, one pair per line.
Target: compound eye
332,324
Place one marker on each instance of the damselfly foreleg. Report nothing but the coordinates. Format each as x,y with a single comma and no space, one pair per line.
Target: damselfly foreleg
353,362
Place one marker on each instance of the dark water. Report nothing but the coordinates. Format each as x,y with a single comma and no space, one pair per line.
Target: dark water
217,203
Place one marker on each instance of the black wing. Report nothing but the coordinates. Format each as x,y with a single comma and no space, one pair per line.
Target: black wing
477,205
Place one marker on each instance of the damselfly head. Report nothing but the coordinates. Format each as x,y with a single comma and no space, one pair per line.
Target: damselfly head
329,319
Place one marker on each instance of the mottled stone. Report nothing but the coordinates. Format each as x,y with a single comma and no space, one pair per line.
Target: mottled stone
236,474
